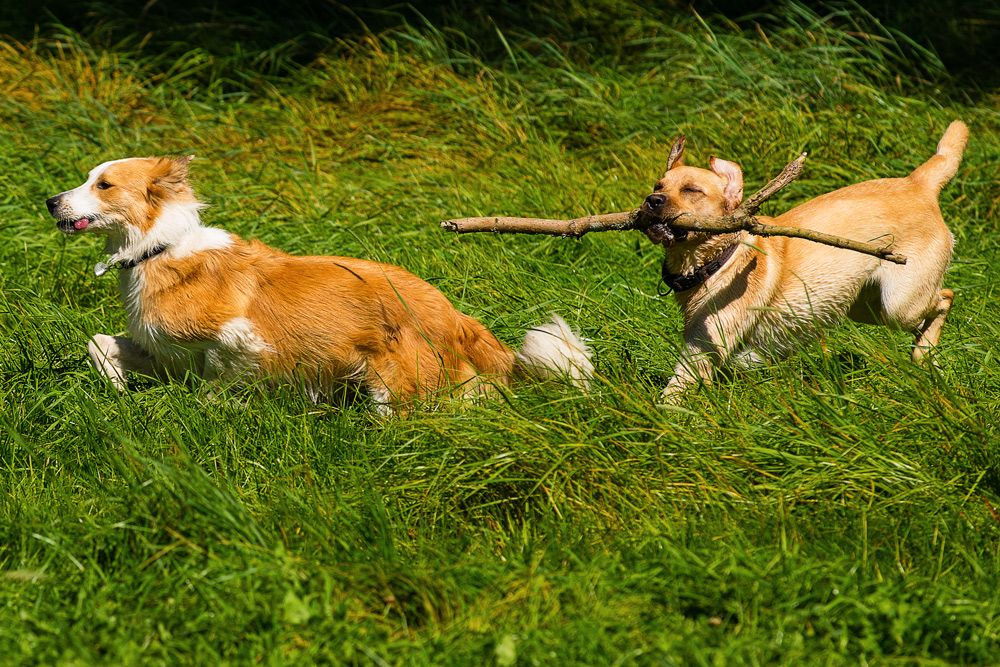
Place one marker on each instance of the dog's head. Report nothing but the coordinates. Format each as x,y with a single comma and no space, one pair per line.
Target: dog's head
123,198
715,191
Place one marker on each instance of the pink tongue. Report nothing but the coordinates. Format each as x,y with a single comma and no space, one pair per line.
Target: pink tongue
81,223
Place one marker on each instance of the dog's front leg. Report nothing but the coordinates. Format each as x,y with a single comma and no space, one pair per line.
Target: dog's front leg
696,366
114,356
709,344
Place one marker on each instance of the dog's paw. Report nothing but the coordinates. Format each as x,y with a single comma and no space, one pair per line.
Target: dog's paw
104,353
671,396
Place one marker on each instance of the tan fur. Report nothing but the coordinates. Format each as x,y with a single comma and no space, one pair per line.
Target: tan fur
775,291
224,308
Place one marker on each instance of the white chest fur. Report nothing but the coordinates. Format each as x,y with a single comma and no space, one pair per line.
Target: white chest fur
235,349
176,356
179,229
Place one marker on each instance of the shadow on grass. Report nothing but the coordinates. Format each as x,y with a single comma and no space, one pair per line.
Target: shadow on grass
283,34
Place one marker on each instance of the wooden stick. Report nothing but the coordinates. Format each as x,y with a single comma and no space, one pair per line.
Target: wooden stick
574,228
625,220
791,171
742,219
735,223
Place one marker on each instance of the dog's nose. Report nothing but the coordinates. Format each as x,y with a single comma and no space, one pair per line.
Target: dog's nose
52,202
655,202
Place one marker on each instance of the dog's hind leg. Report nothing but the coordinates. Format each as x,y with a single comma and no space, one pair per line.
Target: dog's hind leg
929,333
911,296
385,382
114,356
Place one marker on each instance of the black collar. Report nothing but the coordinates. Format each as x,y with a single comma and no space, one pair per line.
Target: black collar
132,263
681,283
101,268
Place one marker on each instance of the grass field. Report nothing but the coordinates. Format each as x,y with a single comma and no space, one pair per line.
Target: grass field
837,508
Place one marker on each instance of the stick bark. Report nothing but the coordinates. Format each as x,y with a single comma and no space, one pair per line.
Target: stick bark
742,219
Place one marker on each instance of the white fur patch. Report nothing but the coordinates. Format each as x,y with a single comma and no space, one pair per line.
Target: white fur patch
178,227
381,397
238,349
200,239
554,349
239,333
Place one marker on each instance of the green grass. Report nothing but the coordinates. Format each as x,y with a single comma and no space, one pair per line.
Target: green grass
839,507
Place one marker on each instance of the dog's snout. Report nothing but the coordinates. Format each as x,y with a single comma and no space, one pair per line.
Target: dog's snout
655,202
52,202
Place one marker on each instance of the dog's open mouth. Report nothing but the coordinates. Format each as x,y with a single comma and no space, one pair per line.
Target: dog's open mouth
663,234
660,232
73,226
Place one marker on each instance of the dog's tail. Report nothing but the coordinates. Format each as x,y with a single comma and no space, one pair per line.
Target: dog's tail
941,168
553,349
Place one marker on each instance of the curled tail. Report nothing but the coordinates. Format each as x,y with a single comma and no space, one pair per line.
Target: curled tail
553,349
941,168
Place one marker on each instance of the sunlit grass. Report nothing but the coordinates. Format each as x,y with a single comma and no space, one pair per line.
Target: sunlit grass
838,506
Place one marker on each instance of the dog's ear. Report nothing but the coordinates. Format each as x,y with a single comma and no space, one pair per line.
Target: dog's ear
676,157
169,175
733,192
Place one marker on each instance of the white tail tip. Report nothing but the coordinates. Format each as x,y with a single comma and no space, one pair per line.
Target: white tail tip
553,349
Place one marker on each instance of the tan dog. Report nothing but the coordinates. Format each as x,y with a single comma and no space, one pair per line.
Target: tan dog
745,296
201,300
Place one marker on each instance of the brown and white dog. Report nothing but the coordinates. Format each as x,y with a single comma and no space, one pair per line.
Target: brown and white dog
745,297
202,300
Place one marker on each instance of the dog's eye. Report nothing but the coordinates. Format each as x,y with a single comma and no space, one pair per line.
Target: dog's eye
692,189
104,185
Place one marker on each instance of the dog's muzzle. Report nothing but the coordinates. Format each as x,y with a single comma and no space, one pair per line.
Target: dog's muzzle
660,233
67,225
